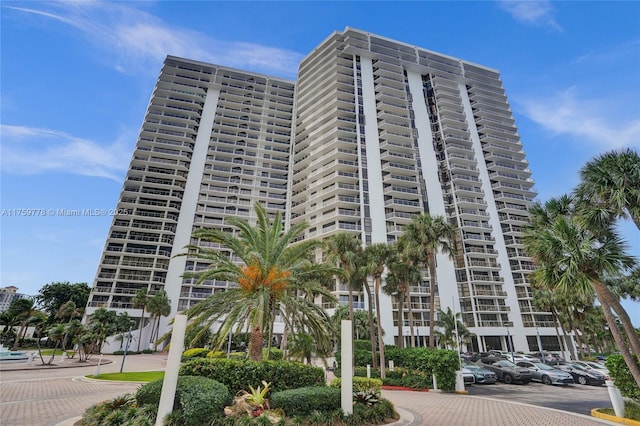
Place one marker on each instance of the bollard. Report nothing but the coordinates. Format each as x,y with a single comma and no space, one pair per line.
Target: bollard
435,382
459,382
368,371
391,365
616,398
97,373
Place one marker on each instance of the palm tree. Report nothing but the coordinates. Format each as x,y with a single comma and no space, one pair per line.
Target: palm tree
572,260
377,255
403,271
22,310
610,188
272,271
361,275
158,306
546,301
343,249
140,300
431,234
449,322
69,312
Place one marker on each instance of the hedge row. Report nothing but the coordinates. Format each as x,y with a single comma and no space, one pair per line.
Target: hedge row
240,374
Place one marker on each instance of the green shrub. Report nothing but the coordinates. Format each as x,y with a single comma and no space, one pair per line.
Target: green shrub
198,398
362,345
304,401
275,354
194,353
147,351
381,412
361,384
240,374
622,377
216,354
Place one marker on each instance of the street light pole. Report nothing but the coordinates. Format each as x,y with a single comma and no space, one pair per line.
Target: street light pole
540,349
509,345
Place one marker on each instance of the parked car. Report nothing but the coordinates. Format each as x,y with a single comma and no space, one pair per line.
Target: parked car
506,371
468,376
481,374
491,354
591,365
582,375
521,357
547,374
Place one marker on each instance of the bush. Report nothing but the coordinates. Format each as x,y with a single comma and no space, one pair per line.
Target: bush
304,401
194,353
361,384
147,351
622,377
239,374
198,398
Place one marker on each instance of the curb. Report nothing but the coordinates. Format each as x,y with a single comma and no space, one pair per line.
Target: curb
615,419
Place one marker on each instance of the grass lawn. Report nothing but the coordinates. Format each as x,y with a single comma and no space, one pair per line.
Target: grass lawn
139,376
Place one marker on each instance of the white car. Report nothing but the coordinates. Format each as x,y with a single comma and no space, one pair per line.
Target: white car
521,357
468,376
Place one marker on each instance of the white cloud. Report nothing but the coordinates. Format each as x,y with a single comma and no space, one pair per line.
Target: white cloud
540,13
138,41
29,151
595,121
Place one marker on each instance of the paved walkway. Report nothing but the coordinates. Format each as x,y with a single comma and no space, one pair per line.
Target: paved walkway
35,396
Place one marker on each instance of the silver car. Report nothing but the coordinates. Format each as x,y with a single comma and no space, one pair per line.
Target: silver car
547,374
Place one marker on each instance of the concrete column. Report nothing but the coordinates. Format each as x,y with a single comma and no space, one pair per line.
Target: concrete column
173,365
346,383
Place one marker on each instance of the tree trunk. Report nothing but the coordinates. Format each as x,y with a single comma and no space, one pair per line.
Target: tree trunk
353,352
16,344
617,336
614,302
140,333
400,320
432,301
372,332
255,344
410,314
378,317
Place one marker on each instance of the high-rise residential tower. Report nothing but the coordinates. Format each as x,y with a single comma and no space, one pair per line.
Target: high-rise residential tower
373,133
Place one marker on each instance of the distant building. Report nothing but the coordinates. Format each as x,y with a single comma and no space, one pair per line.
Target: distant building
372,133
8,294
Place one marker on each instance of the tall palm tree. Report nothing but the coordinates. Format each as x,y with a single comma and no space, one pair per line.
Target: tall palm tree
377,255
432,234
449,322
343,249
140,300
68,312
546,301
403,271
610,187
572,260
271,272
158,306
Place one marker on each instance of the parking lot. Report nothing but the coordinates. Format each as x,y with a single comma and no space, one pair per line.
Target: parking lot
573,398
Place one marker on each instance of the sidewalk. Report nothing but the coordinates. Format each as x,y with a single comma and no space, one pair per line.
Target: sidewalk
24,397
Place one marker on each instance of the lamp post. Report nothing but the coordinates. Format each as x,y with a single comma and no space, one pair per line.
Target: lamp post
509,345
540,349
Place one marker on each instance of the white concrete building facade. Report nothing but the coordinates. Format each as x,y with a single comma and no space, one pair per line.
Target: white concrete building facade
372,133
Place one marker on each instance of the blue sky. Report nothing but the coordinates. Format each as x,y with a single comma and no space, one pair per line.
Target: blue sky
76,78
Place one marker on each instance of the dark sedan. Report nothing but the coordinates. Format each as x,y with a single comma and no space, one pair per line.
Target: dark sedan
481,374
582,375
506,371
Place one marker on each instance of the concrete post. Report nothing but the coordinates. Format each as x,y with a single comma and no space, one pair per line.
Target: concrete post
173,365
616,398
346,383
